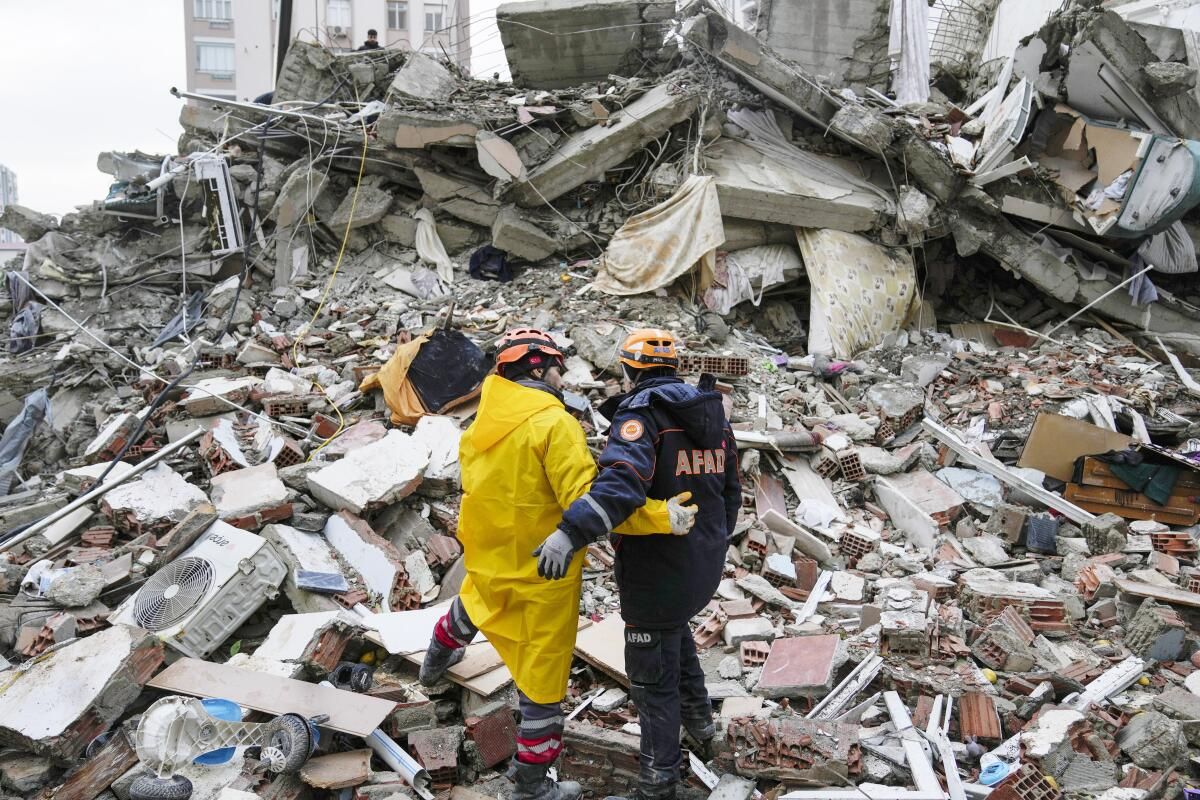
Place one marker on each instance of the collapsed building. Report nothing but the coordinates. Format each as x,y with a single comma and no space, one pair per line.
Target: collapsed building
234,388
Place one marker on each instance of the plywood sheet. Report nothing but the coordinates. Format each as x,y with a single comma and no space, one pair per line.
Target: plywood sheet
603,646
337,770
348,712
1056,441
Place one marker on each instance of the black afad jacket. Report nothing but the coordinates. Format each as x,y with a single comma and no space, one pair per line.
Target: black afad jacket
667,437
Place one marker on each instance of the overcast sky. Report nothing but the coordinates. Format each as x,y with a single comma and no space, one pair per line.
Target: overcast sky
81,76
78,77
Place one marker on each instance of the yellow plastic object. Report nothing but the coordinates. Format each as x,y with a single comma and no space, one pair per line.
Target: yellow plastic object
1143,681
367,657
392,378
524,460
1103,642
1050,780
989,674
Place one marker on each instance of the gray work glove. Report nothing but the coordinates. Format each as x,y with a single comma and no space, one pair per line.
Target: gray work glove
554,555
682,517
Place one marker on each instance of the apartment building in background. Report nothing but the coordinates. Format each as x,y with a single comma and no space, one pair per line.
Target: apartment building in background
231,44
8,197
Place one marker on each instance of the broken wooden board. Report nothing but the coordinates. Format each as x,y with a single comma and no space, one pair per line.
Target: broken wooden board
768,495
603,646
114,759
348,712
337,770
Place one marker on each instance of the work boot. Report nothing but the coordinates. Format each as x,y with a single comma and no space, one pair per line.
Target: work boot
644,792
532,783
699,734
438,659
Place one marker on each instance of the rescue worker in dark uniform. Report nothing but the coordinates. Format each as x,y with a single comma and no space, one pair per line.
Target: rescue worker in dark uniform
667,438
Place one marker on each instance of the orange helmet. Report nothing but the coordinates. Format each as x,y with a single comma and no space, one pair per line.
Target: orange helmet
647,348
520,342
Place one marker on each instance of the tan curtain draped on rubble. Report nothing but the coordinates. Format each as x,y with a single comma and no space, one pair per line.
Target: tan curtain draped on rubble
861,291
655,247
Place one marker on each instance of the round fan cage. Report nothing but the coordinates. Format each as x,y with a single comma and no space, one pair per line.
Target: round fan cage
172,593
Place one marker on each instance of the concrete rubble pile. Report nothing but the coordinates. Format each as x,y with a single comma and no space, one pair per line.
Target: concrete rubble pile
947,287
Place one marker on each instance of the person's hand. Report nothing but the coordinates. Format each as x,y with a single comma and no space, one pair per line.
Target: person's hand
554,555
682,517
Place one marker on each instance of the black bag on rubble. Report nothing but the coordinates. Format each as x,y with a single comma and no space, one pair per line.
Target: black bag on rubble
490,264
447,368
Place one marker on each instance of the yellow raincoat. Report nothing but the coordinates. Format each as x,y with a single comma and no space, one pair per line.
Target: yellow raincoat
524,460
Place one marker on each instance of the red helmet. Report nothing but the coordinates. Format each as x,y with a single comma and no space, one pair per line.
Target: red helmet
518,343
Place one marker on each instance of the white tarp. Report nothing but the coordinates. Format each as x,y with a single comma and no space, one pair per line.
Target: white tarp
655,247
749,272
908,44
430,247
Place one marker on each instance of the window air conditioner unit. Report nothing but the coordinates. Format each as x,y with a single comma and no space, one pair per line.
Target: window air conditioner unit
338,30
195,602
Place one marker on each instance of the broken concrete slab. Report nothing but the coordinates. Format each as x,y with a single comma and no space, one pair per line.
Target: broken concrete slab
416,130
776,77
255,494
587,155
841,42
26,223
458,197
358,209
372,476
514,233
309,553
379,563
1152,740
551,44
753,186
55,705
160,498
423,77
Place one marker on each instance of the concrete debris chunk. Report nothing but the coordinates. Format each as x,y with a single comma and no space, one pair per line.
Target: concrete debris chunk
372,476
424,78
52,705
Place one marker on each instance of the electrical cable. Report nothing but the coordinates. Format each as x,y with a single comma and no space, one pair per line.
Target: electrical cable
329,285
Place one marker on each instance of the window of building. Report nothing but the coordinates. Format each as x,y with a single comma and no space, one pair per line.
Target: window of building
397,16
433,17
212,9
337,14
215,59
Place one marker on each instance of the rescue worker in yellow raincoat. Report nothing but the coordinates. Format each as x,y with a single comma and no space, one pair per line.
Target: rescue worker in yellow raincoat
524,460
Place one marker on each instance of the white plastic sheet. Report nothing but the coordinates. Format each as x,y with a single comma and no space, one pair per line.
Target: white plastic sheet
748,273
430,247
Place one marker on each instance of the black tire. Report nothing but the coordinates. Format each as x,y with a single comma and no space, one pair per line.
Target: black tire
291,736
149,786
